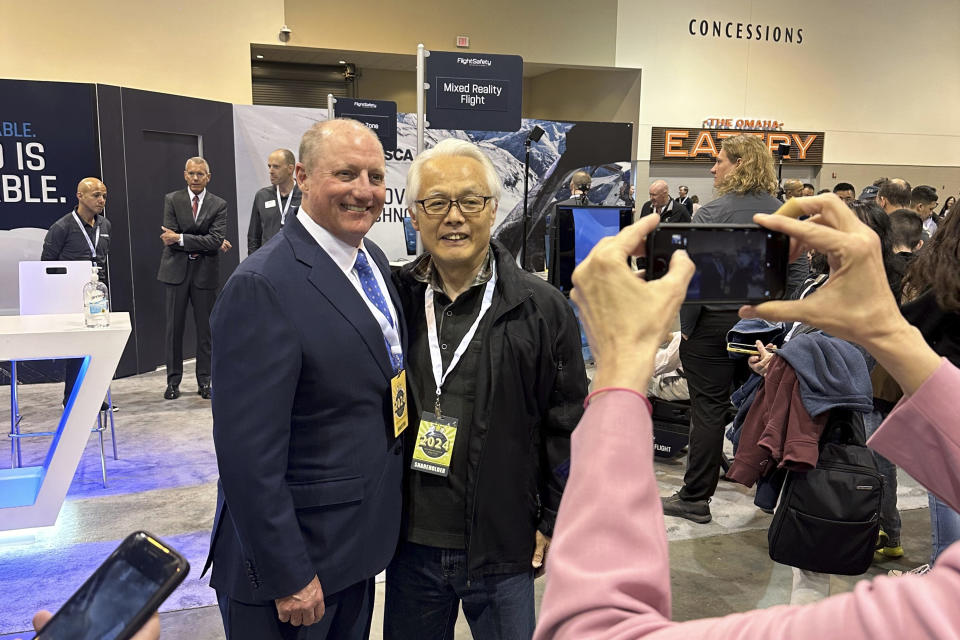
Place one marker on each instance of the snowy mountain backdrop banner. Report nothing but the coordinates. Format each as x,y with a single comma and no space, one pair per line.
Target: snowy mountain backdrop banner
601,149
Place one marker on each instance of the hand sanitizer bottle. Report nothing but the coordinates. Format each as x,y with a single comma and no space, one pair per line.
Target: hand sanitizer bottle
96,304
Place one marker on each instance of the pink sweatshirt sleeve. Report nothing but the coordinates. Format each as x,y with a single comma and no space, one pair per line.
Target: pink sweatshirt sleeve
922,435
608,573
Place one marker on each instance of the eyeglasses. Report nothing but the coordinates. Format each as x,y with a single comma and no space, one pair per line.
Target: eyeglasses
468,205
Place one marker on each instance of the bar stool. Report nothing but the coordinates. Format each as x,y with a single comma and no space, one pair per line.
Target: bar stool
104,417
15,418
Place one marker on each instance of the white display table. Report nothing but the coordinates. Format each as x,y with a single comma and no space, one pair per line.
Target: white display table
32,496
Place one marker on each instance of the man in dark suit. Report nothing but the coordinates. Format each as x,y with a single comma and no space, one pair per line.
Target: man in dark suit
683,198
308,349
194,223
660,203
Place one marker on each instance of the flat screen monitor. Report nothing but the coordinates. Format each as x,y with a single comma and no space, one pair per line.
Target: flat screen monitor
574,231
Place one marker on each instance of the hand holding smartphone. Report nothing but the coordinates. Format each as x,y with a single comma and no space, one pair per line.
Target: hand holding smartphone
122,594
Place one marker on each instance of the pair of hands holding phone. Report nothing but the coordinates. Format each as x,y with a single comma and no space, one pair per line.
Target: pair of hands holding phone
855,304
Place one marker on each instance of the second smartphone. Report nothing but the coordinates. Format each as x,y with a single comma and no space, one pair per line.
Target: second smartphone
121,594
735,263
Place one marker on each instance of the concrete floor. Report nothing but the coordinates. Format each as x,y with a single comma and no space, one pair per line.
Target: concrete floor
716,569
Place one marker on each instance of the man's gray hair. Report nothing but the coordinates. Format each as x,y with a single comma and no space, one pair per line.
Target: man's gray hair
197,160
456,148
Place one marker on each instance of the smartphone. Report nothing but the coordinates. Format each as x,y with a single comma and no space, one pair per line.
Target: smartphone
410,236
735,263
738,347
122,593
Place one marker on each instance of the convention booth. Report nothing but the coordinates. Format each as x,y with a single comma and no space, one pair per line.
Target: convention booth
137,141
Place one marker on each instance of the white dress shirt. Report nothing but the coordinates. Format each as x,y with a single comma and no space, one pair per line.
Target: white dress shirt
200,197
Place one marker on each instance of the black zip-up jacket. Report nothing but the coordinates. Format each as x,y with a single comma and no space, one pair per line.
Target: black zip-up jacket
530,395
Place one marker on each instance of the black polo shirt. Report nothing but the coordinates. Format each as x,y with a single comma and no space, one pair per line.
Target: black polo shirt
66,241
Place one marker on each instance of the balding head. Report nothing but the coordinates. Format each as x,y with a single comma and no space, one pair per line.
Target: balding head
894,194
315,139
792,189
91,197
659,193
90,184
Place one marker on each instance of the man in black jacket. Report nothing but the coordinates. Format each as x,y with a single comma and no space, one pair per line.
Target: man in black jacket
496,384
661,204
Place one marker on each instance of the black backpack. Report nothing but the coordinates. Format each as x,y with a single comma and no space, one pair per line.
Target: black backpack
828,518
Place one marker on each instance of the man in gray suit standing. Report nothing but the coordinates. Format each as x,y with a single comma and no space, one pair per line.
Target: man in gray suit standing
194,223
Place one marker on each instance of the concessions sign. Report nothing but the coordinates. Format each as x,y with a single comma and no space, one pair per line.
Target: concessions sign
692,145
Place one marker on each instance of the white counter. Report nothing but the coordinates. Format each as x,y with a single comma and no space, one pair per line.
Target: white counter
32,496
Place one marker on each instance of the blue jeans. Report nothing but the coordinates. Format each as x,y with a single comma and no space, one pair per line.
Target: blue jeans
889,515
944,526
425,585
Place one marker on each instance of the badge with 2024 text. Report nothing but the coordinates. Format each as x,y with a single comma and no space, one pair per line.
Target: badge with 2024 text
398,393
434,448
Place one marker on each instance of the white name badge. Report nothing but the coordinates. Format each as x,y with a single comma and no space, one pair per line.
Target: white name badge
269,203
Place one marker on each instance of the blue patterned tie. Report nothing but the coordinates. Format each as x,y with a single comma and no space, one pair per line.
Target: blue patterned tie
372,290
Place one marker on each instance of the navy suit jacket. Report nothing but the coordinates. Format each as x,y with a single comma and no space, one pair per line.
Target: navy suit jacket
310,471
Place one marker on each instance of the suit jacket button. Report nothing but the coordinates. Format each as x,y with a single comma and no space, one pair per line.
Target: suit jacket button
397,450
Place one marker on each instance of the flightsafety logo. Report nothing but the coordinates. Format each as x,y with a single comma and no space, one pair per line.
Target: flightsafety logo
475,62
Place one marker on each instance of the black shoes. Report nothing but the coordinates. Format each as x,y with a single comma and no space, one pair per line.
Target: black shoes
173,391
694,510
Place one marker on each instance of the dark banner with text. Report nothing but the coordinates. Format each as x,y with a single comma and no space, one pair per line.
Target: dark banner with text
474,91
691,145
48,143
379,115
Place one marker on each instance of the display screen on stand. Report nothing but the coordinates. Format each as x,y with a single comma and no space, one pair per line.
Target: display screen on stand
574,232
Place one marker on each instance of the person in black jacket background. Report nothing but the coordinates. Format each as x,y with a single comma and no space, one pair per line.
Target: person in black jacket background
497,384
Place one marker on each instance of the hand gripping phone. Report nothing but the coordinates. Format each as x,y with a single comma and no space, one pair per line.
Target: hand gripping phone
122,593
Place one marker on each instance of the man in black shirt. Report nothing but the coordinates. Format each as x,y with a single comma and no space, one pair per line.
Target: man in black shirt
274,205
661,204
82,234
496,383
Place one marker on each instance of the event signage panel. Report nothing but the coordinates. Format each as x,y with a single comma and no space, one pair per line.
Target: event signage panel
475,91
785,34
379,115
692,145
48,143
